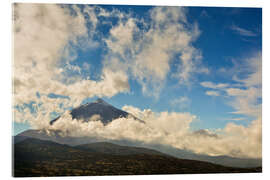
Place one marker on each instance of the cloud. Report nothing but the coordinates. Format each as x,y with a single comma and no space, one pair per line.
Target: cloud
41,34
245,101
246,98
182,102
217,88
45,40
165,122
86,66
137,51
145,48
172,129
212,93
236,119
245,93
253,65
211,85
242,31
205,132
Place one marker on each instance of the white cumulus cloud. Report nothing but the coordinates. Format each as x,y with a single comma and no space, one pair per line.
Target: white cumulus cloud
45,36
171,129
146,51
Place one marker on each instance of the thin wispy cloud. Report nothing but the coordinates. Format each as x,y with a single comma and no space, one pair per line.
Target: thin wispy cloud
242,31
212,93
181,103
211,85
237,119
234,118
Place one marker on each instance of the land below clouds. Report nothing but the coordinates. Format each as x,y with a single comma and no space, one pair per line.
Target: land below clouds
35,157
55,136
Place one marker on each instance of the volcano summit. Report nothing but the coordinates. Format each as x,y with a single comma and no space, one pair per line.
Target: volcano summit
100,109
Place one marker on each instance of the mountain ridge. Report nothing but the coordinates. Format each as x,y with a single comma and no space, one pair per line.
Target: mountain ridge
115,149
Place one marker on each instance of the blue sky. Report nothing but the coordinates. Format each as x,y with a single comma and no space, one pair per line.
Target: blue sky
219,44
224,45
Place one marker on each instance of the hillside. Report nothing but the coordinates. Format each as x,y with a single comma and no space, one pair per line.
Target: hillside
55,136
34,158
113,149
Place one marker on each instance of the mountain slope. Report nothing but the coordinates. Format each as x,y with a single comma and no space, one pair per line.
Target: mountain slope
17,139
221,160
114,149
34,158
55,136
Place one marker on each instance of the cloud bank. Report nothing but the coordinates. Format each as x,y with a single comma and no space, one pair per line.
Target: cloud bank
171,129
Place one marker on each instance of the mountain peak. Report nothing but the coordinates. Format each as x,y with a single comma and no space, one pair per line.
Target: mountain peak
101,101
99,107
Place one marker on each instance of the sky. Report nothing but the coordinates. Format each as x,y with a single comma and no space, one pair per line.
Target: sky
194,72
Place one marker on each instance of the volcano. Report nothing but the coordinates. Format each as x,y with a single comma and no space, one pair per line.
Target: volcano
105,112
